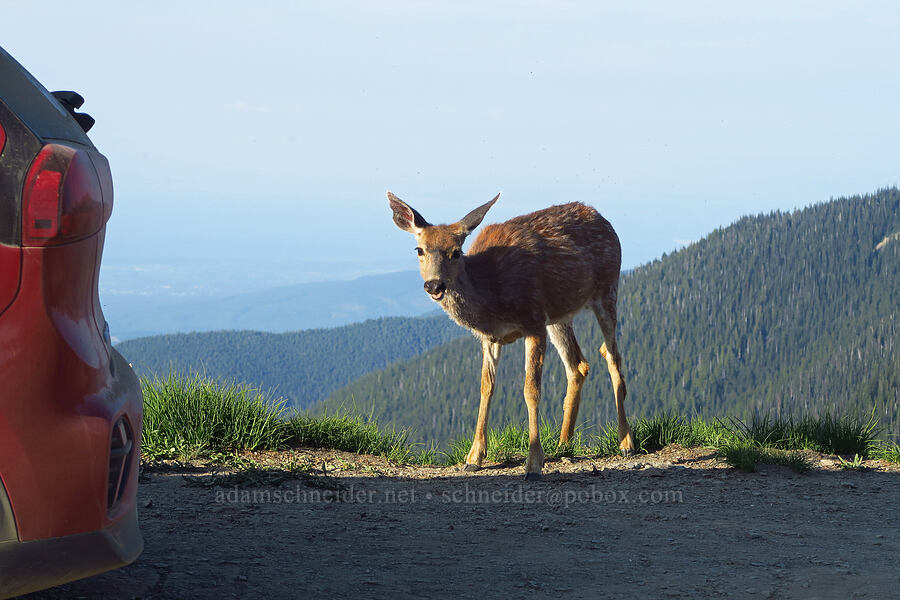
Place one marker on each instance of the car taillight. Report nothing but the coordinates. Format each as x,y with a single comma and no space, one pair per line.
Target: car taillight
62,201
2,138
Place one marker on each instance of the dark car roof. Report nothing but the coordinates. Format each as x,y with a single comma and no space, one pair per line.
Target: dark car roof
34,105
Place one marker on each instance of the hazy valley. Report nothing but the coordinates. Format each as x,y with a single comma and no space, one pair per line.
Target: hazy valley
274,309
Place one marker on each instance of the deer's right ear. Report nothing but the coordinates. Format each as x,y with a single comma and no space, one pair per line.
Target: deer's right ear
405,216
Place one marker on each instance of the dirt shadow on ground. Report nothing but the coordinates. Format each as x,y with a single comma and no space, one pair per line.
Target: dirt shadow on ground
673,524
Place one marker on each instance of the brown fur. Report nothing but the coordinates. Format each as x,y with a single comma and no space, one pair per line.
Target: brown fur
526,277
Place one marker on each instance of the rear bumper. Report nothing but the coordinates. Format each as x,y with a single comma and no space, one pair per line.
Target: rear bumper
30,566
55,522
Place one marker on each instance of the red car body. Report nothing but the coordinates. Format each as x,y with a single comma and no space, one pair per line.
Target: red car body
70,405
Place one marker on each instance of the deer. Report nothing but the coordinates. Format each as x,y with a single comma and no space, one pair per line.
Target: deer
526,277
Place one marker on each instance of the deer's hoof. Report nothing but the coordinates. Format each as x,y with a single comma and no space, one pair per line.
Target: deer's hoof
471,468
532,476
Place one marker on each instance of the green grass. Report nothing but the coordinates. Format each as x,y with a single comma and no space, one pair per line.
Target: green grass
886,451
742,445
658,432
188,417
853,465
746,455
511,444
829,433
193,417
456,451
353,434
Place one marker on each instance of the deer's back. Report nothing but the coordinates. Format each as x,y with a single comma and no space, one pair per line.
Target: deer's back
552,261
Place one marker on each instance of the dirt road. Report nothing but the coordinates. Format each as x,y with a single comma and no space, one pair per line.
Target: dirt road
675,524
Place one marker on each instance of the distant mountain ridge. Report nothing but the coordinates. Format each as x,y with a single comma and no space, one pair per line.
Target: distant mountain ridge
277,310
787,312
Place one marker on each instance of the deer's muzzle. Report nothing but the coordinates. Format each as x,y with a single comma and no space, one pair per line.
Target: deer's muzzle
435,289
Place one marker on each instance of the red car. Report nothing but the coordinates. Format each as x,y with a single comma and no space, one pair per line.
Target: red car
70,405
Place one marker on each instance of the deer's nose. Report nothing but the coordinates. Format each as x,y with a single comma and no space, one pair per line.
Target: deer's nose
435,287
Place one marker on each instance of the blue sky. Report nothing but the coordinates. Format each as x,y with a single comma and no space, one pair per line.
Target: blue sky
252,143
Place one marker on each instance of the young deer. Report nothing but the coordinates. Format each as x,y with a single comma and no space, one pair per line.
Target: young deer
527,278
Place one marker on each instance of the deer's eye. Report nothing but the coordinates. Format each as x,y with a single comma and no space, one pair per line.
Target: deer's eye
455,254
420,252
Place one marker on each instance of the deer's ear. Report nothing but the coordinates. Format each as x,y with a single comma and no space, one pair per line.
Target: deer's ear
472,220
405,216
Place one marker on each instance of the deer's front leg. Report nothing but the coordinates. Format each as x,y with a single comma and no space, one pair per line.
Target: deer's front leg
490,354
534,366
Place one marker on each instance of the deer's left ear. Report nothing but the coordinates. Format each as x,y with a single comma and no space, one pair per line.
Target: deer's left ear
405,216
468,223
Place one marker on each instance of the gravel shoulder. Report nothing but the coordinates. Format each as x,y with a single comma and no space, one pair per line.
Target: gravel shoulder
674,524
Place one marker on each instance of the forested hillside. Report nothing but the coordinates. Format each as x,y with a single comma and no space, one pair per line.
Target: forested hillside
303,367
786,312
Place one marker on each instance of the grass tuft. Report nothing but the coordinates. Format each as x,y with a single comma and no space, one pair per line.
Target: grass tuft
511,443
746,455
352,433
507,444
456,452
886,451
658,432
828,434
189,417
853,465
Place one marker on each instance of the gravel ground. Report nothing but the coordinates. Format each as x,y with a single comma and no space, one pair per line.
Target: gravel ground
674,524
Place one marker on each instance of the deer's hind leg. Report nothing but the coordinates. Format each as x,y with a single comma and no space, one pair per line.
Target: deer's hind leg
605,311
490,354
563,338
535,345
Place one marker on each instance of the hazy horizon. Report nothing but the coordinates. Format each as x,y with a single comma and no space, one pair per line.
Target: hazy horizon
252,145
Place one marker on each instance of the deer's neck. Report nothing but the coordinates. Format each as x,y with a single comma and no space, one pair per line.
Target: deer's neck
472,305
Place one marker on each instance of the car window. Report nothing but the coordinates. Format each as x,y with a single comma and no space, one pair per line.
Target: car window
34,105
